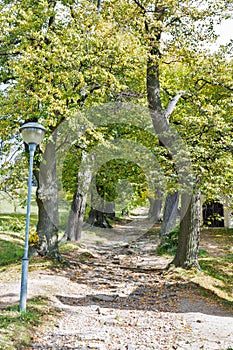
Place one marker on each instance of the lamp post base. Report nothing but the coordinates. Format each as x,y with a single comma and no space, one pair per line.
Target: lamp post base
24,280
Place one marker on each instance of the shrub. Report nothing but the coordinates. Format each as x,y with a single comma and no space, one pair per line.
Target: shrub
169,243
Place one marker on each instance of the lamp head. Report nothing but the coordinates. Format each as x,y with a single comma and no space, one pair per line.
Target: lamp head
32,133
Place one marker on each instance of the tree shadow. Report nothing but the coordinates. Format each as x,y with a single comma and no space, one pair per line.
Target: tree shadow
169,297
7,300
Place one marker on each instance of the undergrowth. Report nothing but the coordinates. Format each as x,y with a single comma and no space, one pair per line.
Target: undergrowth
169,243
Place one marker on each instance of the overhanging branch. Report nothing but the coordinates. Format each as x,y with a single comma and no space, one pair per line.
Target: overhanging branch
172,104
204,82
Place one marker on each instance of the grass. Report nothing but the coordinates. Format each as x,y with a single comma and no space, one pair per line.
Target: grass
18,329
218,263
10,252
215,259
15,222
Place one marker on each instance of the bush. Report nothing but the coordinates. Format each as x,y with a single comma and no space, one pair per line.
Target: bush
169,243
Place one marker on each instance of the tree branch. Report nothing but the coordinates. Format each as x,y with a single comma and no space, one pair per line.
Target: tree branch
172,104
212,83
140,5
99,6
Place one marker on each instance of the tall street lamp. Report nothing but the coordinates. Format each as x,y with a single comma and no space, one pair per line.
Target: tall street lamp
32,134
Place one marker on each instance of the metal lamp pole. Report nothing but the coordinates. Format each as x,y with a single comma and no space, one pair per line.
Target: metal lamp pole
32,134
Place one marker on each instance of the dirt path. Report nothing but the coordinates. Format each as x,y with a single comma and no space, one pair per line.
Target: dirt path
115,294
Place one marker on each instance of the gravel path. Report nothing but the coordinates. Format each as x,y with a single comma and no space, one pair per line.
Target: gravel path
116,295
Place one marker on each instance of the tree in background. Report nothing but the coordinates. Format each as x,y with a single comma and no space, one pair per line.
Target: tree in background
59,57
186,28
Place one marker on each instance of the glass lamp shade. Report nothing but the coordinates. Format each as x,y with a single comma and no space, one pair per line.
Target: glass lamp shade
32,133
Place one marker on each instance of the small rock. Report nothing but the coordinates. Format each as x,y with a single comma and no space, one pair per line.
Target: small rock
130,347
102,297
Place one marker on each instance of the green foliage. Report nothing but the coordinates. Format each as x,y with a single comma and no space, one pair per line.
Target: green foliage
202,121
169,243
16,224
112,172
57,60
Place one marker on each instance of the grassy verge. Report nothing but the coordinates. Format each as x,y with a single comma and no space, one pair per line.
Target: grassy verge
218,260
18,329
215,259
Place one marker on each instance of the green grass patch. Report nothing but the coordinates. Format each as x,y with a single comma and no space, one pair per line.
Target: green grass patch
15,222
221,269
202,253
18,329
10,252
68,246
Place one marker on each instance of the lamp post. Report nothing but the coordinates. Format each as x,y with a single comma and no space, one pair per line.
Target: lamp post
32,134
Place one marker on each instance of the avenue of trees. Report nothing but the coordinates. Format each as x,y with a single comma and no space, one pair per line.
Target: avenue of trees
60,59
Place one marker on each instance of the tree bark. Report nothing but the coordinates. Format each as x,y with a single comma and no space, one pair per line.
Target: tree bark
189,236
190,224
76,215
170,213
47,201
99,218
110,210
155,210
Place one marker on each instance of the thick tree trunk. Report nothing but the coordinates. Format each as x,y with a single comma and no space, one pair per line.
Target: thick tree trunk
155,210
189,236
190,224
170,213
99,217
47,201
76,216
110,210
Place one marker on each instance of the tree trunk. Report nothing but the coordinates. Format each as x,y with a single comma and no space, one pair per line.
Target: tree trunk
99,217
47,201
189,236
155,210
76,215
170,213
110,210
